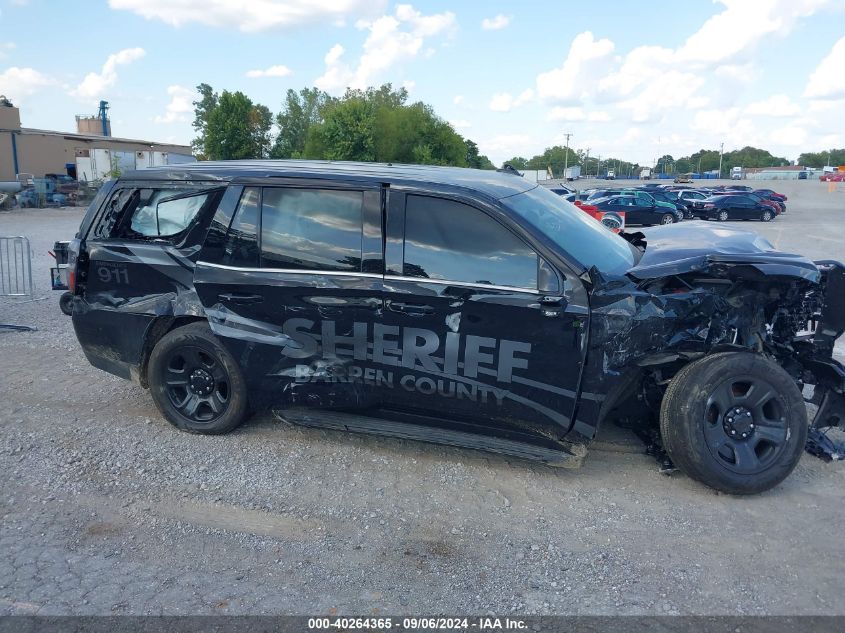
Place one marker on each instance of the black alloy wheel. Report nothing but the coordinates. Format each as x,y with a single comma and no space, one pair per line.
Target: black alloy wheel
735,421
745,424
196,383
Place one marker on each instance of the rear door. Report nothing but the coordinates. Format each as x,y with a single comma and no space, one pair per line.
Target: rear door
140,254
293,285
478,329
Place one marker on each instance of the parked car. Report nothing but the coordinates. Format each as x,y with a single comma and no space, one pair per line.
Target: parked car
770,194
683,178
776,205
688,196
458,306
637,211
733,207
833,176
738,188
652,197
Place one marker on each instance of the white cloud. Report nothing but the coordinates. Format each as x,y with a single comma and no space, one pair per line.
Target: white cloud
576,76
19,83
272,71
828,79
95,85
779,105
577,114
789,135
505,144
180,106
505,101
460,124
458,100
250,15
668,91
496,23
741,26
391,39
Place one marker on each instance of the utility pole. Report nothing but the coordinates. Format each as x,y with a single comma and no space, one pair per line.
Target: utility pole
566,156
587,162
721,150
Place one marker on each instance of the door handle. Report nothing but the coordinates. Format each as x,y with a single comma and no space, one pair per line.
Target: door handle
551,301
411,309
240,299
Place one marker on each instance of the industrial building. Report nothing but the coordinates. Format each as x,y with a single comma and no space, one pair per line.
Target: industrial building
88,154
787,172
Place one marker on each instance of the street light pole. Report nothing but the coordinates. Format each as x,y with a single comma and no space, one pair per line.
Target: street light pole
566,155
721,150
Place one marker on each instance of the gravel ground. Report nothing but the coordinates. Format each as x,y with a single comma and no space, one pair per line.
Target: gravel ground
106,509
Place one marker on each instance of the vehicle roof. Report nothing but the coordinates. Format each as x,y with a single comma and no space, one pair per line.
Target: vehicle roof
493,183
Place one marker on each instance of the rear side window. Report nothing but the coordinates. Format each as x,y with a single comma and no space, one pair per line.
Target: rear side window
450,241
151,213
311,229
166,212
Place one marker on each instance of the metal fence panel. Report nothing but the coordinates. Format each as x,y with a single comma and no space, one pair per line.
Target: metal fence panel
15,267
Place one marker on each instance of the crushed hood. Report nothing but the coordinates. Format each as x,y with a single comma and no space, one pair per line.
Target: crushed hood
700,246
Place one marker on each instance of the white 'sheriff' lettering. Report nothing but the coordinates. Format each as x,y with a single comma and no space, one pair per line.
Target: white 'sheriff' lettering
410,347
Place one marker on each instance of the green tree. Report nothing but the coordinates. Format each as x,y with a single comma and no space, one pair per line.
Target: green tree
202,108
236,128
346,133
261,122
822,159
299,112
517,162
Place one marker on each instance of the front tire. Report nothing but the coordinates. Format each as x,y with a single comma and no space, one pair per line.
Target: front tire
766,216
734,421
723,216
667,218
196,383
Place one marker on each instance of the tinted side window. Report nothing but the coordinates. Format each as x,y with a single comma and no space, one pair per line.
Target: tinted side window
452,241
241,246
311,229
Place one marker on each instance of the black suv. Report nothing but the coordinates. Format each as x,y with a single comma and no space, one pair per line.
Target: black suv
465,307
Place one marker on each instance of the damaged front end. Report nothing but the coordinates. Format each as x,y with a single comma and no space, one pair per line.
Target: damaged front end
700,290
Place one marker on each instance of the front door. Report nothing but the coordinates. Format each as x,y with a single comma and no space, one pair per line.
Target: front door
293,291
478,330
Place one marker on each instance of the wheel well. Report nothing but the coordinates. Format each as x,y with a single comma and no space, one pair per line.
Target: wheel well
155,332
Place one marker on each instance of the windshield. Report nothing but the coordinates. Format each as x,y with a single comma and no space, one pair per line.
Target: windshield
577,234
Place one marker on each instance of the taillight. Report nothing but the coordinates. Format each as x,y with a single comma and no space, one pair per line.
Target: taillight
72,260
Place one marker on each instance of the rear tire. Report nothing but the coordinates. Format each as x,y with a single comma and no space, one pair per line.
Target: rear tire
66,303
766,216
196,383
711,403
667,218
723,216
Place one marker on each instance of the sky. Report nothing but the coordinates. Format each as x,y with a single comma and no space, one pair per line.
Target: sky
632,80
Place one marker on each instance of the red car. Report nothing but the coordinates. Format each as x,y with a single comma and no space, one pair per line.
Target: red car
833,176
